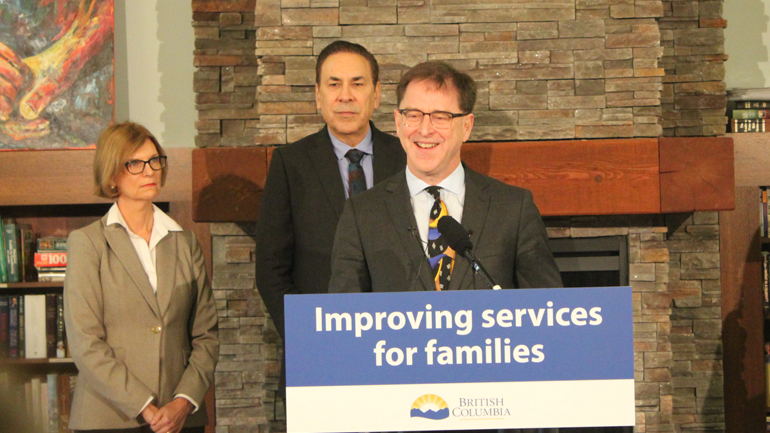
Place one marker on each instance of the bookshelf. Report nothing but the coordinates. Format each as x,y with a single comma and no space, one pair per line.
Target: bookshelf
743,313
32,285
52,191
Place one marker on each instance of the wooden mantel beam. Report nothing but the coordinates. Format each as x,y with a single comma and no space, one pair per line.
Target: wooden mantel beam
596,177
578,177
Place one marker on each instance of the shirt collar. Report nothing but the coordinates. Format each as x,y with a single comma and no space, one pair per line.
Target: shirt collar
340,149
162,223
453,183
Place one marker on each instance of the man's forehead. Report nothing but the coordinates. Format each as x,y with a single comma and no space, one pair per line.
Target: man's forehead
349,66
417,91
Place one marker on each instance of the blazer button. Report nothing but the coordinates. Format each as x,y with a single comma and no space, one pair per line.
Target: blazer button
156,329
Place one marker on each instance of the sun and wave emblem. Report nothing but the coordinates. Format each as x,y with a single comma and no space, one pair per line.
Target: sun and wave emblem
430,406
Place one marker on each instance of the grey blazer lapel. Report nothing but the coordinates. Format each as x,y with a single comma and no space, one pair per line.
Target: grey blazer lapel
402,215
475,211
118,240
324,161
166,255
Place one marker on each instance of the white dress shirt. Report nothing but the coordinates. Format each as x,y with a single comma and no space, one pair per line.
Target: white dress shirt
162,224
452,194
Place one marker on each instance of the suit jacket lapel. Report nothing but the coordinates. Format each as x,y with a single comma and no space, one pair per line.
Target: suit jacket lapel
324,161
385,161
119,242
402,216
165,267
475,211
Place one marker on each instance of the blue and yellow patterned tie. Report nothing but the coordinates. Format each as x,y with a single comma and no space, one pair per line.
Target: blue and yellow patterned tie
356,178
440,256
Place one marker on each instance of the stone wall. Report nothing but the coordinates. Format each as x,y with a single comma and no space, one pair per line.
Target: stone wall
694,288
673,271
249,356
546,70
692,34
226,79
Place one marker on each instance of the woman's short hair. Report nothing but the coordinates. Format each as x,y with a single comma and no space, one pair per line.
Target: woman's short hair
114,147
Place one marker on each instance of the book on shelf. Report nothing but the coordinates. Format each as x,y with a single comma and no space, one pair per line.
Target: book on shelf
51,265
52,402
34,326
3,260
22,329
751,114
13,326
4,331
42,401
765,284
50,325
752,105
65,387
27,246
51,274
747,125
36,399
61,332
11,245
763,227
50,259
51,243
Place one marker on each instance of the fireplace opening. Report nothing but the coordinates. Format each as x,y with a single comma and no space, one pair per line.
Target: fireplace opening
592,262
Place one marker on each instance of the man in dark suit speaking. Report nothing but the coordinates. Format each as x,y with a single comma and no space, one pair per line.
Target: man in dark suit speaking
309,180
387,238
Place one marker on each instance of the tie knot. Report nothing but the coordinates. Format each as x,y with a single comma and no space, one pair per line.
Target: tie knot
434,191
354,155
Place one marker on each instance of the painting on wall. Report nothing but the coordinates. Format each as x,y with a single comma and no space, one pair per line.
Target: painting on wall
56,73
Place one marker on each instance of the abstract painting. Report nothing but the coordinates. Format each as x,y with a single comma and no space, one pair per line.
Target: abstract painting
56,72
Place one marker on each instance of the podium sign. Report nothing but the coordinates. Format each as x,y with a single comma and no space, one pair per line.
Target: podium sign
460,360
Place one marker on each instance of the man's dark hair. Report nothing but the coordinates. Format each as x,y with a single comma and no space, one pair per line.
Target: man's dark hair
347,47
441,74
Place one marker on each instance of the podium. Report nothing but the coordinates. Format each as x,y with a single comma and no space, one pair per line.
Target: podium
459,360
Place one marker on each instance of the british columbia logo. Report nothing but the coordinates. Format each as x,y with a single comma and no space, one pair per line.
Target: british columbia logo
430,406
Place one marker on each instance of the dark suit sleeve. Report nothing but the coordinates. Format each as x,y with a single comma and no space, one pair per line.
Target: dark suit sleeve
274,255
535,266
350,272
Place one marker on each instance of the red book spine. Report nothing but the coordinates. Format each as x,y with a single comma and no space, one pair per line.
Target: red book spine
50,260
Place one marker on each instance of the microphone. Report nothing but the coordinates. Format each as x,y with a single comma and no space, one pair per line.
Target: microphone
459,240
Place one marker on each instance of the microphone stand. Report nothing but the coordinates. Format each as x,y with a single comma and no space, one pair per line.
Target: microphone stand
479,268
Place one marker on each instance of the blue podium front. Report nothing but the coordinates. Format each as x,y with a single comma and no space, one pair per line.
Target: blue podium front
461,360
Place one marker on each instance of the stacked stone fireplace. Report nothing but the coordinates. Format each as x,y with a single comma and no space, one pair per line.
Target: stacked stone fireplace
557,69
673,271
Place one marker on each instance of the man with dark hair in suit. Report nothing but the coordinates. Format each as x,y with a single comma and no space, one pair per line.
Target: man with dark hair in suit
387,238
309,180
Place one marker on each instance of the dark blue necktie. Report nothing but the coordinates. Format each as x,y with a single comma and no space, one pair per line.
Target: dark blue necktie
356,178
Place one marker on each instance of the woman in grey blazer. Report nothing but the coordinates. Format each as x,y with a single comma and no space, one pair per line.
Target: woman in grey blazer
139,312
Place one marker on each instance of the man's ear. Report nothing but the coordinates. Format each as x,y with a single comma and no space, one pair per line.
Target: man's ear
397,117
467,127
377,95
317,98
